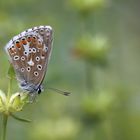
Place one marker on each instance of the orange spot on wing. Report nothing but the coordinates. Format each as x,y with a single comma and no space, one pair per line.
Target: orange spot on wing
24,42
18,45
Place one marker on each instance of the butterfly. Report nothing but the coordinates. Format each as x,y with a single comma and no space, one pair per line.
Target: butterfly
29,53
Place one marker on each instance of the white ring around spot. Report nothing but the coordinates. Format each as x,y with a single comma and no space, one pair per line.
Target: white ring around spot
37,58
39,67
25,53
16,57
28,69
30,50
22,58
22,69
36,73
34,50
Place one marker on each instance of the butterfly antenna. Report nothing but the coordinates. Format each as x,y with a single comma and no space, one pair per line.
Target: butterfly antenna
60,91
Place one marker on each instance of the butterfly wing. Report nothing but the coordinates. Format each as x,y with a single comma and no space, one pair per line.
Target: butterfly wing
29,54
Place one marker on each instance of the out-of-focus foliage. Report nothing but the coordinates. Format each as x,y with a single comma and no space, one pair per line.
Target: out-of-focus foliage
92,49
64,128
96,107
104,103
88,5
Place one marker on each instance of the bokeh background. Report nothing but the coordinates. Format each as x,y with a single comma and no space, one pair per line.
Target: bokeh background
95,56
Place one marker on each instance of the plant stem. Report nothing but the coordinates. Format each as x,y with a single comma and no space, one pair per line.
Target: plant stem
4,126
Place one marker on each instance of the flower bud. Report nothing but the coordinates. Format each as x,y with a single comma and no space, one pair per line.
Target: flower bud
12,104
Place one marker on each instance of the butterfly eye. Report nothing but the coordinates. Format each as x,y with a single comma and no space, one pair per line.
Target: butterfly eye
39,91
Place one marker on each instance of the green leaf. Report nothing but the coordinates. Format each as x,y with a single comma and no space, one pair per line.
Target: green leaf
11,72
21,119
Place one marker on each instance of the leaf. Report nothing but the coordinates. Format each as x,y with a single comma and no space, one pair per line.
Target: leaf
11,72
21,119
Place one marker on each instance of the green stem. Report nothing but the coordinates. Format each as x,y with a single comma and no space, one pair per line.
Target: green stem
4,126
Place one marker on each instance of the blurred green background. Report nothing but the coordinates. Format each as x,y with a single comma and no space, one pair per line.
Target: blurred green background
95,56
